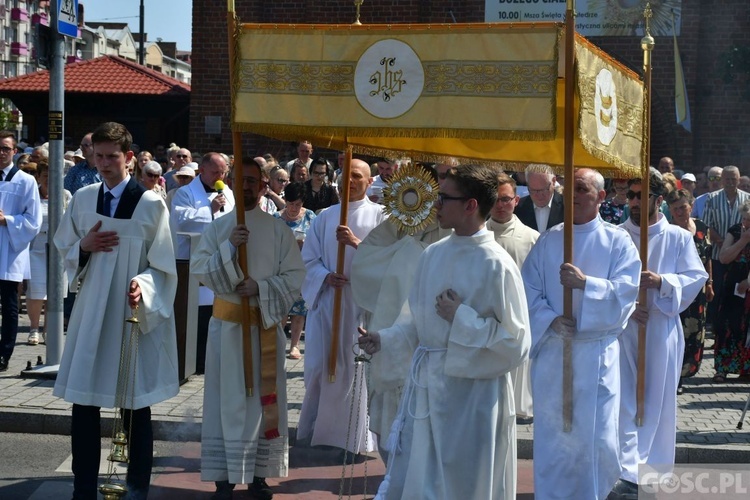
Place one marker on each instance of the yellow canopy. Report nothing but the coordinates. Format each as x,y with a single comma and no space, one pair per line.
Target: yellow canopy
484,92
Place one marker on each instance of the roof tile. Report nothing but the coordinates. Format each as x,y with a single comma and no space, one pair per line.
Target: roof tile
103,75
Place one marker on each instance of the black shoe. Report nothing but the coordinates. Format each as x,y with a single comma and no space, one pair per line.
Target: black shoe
259,489
624,490
223,490
3,364
349,458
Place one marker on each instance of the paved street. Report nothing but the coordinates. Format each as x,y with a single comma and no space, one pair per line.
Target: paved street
707,418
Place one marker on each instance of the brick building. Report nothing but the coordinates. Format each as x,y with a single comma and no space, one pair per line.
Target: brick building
720,114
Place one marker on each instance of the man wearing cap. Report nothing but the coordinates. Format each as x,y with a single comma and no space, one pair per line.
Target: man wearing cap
673,279
183,176
194,207
688,182
84,172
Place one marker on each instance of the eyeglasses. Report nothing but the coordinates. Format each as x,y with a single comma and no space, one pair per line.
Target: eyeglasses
505,199
442,198
6,149
540,191
320,173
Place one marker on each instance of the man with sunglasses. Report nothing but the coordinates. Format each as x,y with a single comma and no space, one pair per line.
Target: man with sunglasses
468,327
603,276
181,158
20,222
674,277
713,178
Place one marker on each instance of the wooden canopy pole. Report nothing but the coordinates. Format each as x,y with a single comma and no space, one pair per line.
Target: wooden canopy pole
647,45
239,203
343,220
569,122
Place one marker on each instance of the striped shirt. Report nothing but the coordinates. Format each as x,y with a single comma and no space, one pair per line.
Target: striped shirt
720,215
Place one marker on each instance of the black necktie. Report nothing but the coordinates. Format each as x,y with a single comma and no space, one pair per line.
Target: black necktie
2,175
108,204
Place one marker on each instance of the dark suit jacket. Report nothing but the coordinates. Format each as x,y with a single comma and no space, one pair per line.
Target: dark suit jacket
525,211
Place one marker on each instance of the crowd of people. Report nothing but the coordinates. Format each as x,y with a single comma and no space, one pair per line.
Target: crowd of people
466,313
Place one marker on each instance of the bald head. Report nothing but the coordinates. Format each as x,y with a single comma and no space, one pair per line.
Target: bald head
359,180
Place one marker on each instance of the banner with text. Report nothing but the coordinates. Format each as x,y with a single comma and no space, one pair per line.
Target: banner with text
593,17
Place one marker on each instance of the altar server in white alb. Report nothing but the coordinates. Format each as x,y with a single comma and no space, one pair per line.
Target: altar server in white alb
468,326
674,277
383,272
326,409
20,221
115,240
582,463
236,445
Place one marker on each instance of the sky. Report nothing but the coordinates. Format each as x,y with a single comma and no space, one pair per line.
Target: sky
170,20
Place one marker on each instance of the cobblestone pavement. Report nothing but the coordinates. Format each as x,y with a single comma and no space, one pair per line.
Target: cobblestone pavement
708,413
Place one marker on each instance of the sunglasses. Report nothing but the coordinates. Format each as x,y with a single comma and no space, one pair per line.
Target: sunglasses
714,178
633,194
181,156
153,176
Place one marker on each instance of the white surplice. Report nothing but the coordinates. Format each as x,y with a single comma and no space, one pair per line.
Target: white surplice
582,463
673,256
90,363
19,201
517,239
327,409
232,444
383,271
454,436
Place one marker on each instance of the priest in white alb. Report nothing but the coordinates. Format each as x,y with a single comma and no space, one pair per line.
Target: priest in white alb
334,413
244,439
674,277
468,327
584,462
517,239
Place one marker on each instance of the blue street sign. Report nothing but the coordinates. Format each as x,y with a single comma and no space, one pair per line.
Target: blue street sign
67,17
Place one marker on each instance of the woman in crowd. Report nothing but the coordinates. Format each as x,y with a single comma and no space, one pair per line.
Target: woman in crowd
151,178
694,317
730,353
318,193
36,294
615,209
278,179
298,219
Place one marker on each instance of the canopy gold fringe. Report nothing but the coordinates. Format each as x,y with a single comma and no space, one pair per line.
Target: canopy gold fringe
295,132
